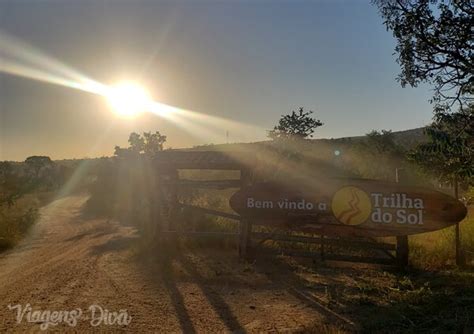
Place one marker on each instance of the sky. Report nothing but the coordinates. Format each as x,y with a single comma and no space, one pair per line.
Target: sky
248,62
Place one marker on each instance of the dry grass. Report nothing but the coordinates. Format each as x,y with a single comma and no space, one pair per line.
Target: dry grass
436,250
16,219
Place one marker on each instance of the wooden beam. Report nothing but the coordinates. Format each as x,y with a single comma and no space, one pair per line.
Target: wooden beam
335,257
210,211
325,241
172,176
209,184
245,240
225,160
363,259
402,241
202,234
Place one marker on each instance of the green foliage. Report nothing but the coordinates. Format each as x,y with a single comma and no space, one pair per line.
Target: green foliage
382,142
127,188
148,144
137,142
297,125
434,45
450,152
24,187
37,163
5,169
153,142
37,174
377,155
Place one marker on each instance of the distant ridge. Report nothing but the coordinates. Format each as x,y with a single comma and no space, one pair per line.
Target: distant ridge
405,138
410,138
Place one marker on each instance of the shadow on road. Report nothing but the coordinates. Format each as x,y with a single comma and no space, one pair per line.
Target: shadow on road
162,269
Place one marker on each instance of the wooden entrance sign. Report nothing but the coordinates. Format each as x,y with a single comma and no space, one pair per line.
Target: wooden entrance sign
345,213
349,208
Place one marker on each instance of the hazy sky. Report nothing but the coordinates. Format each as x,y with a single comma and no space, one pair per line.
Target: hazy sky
240,60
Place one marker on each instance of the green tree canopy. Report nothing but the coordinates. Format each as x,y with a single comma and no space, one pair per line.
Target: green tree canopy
434,44
137,142
36,163
297,125
153,142
382,142
149,143
449,154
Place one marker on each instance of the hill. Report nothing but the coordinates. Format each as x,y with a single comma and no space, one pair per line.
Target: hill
407,139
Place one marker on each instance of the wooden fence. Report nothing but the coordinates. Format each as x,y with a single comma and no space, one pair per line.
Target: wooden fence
169,163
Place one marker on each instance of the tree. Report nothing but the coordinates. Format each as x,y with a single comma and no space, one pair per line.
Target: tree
148,144
137,143
153,142
382,142
37,163
297,125
435,45
377,155
449,154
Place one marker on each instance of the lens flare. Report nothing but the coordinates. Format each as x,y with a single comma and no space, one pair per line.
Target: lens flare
128,99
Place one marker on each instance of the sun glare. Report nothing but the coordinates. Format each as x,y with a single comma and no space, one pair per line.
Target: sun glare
129,99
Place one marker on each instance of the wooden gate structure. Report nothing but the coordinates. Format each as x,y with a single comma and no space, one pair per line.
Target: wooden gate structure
168,164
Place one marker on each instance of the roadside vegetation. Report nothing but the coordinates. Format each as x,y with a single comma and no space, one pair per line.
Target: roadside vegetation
24,188
126,187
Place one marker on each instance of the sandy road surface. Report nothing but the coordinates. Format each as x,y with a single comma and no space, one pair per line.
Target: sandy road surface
70,262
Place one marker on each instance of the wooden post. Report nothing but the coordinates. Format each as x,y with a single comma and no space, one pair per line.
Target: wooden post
156,206
402,241
172,177
402,251
460,260
322,248
245,238
245,228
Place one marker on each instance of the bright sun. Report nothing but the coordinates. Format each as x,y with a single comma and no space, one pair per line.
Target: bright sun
128,99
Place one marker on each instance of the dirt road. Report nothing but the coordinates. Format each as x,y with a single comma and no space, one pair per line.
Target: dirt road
70,263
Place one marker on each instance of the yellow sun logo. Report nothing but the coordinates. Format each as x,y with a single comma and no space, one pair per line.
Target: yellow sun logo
351,206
